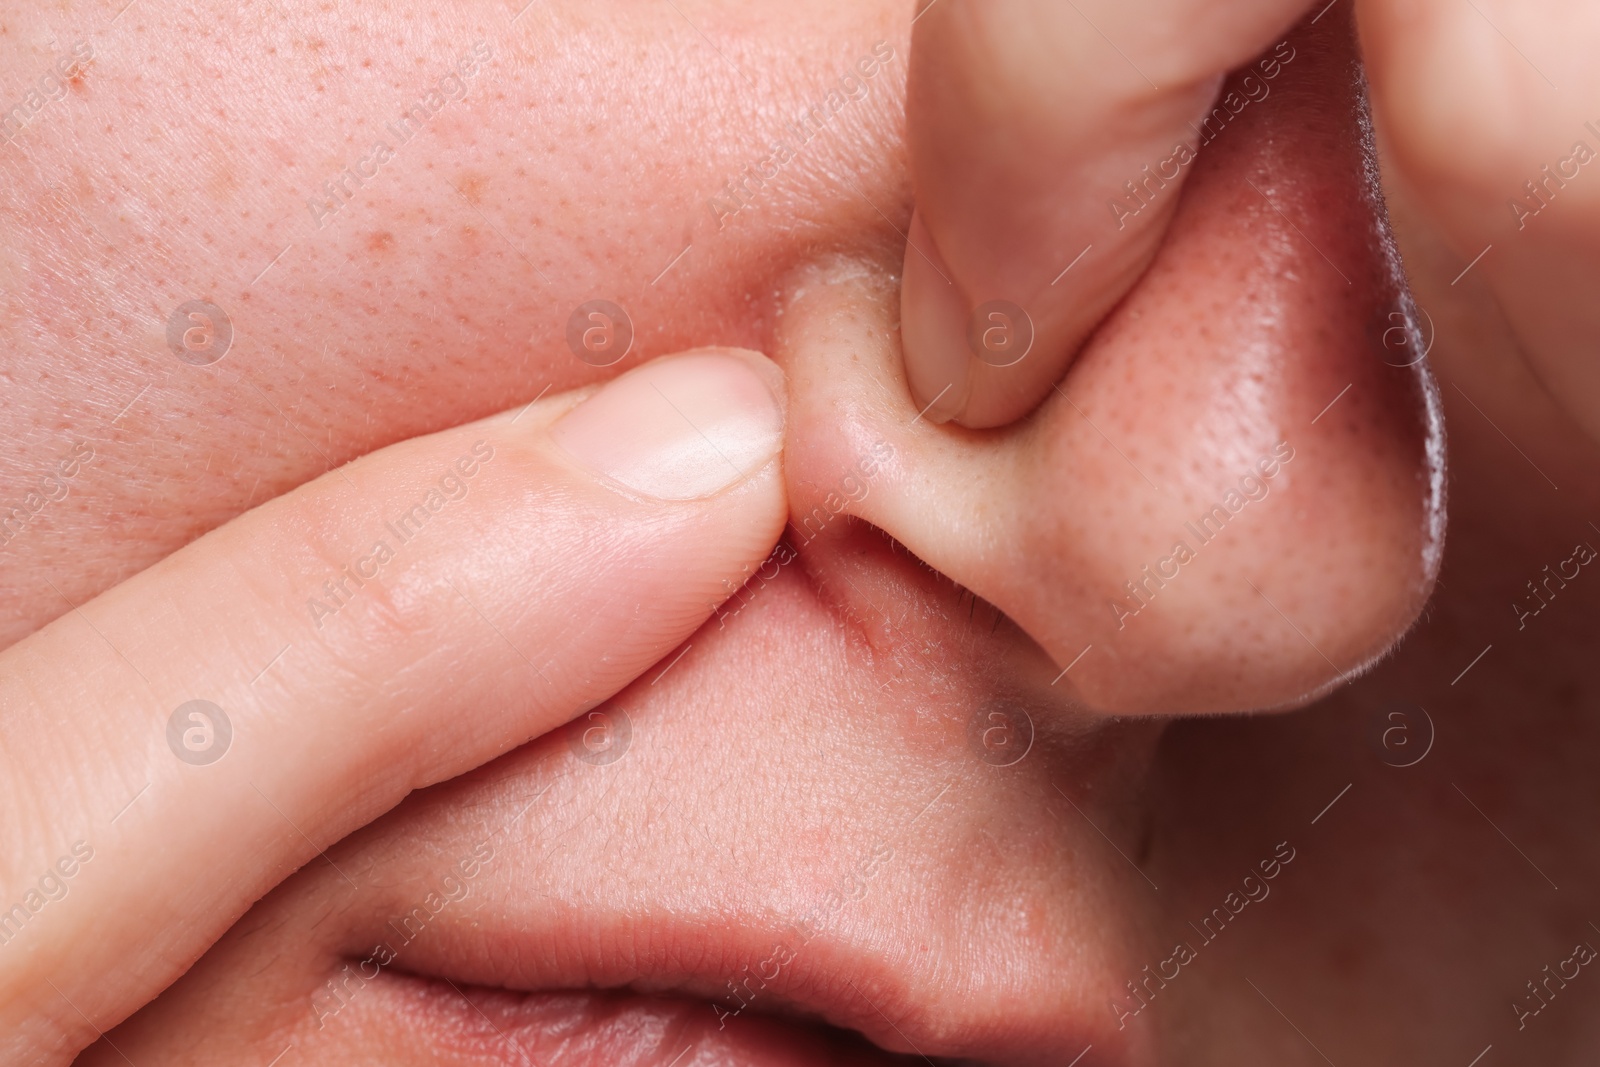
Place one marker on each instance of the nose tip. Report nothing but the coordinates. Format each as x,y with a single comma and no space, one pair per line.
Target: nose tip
1234,499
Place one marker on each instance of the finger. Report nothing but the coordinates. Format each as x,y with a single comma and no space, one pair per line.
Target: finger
389,625
1234,500
1049,145
1492,117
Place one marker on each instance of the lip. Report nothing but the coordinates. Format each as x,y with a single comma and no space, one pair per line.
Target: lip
651,962
618,1029
774,931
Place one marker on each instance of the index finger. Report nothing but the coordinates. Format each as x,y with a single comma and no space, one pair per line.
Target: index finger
175,747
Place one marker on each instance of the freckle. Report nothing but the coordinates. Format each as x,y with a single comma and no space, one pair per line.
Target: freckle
472,186
380,241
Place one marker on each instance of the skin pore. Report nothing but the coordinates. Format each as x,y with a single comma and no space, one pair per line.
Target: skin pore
806,768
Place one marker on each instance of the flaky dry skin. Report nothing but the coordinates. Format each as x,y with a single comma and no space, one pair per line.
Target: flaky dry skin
803,784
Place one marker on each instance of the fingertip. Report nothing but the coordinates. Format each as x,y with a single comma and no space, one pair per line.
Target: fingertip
682,427
1036,141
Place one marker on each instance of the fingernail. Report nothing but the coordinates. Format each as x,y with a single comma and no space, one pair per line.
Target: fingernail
933,330
680,428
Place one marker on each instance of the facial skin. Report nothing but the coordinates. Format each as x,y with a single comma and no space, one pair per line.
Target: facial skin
820,729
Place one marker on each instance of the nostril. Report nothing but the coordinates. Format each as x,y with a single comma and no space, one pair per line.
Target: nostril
893,596
1233,500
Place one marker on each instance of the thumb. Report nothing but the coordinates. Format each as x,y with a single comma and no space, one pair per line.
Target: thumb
181,743
1049,143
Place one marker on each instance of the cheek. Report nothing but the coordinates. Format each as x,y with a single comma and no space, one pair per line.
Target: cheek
472,245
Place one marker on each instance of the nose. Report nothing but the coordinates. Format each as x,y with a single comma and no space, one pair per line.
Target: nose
1234,498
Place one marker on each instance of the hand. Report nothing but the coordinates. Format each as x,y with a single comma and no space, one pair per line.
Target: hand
176,746
679,868
1051,144
1047,164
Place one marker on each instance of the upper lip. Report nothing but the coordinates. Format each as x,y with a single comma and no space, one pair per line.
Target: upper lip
925,960
847,982
915,950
